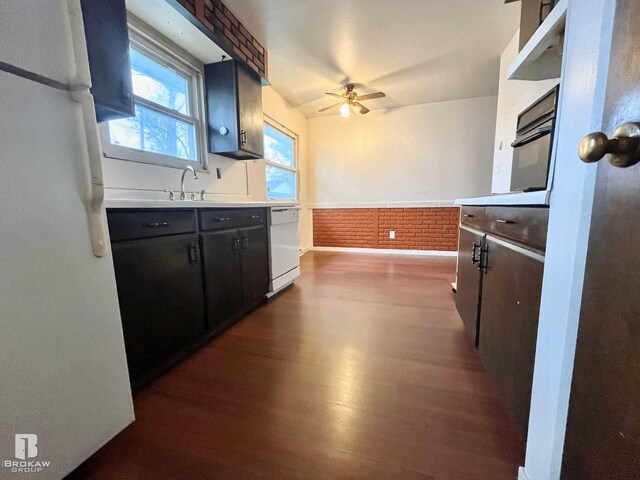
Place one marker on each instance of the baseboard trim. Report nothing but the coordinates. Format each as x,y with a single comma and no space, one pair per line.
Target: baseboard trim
304,250
386,251
408,204
522,475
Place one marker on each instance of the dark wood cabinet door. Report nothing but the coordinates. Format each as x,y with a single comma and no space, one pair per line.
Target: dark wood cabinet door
603,428
222,276
250,112
510,307
468,282
255,265
161,300
107,35
234,111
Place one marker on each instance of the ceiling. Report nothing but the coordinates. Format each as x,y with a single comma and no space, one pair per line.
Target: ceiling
417,51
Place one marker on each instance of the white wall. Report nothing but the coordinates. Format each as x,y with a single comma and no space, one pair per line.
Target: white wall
513,97
134,180
418,154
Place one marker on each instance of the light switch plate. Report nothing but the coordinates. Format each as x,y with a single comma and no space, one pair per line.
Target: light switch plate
392,234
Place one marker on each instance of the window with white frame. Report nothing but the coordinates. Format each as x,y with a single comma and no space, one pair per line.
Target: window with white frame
167,127
280,152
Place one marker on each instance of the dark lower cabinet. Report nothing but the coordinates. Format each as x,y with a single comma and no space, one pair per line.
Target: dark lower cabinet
222,276
469,280
160,293
499,282
184,275
510,307
236,272
255,265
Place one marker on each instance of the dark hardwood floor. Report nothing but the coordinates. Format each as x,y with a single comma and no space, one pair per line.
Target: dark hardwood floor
362,370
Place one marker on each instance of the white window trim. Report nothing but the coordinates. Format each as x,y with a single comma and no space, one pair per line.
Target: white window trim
169,54
281,128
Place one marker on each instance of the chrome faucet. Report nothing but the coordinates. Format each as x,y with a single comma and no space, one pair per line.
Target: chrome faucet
184,172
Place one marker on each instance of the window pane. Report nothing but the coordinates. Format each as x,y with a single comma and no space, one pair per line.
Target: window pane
159,84
281,183
152,131
278,147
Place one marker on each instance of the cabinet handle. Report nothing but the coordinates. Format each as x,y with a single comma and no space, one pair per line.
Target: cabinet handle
474,250
156,224
245,243
236,244
243,138
500,220
483,264
468,215
253,217
222,219
193,253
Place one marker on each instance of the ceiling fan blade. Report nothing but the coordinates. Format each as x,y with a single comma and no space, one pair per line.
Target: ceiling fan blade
334,95
329,107
371,96
362,108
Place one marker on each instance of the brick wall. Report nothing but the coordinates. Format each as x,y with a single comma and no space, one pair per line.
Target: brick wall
218,18
416,228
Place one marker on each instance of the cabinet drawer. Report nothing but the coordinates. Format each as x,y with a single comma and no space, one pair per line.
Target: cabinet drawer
526,225
129,225
224,219
473,216
251,217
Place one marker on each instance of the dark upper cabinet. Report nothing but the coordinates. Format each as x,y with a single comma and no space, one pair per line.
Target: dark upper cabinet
160,293
234,110
511,289
255,264
222,276
105,27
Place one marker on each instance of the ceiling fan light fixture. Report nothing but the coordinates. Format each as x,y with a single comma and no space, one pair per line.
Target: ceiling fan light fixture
350,101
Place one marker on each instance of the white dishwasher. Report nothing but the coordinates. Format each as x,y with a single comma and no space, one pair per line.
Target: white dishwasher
284,247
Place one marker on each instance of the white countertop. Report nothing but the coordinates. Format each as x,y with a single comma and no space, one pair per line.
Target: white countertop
524,198
147,203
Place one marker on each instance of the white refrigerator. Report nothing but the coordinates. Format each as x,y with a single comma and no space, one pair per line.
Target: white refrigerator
64,386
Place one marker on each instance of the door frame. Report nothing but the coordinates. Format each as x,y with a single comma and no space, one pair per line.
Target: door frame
584,76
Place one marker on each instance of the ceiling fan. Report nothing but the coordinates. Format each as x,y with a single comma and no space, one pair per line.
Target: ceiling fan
350,101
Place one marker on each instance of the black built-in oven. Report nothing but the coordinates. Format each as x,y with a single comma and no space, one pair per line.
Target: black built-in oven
533,144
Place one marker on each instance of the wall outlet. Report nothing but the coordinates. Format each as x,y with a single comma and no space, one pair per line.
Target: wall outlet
392,234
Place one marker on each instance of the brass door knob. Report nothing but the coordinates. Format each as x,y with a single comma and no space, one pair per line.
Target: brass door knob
623,148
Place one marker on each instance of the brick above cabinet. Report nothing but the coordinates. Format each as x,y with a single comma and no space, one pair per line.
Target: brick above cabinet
429,228
215,16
